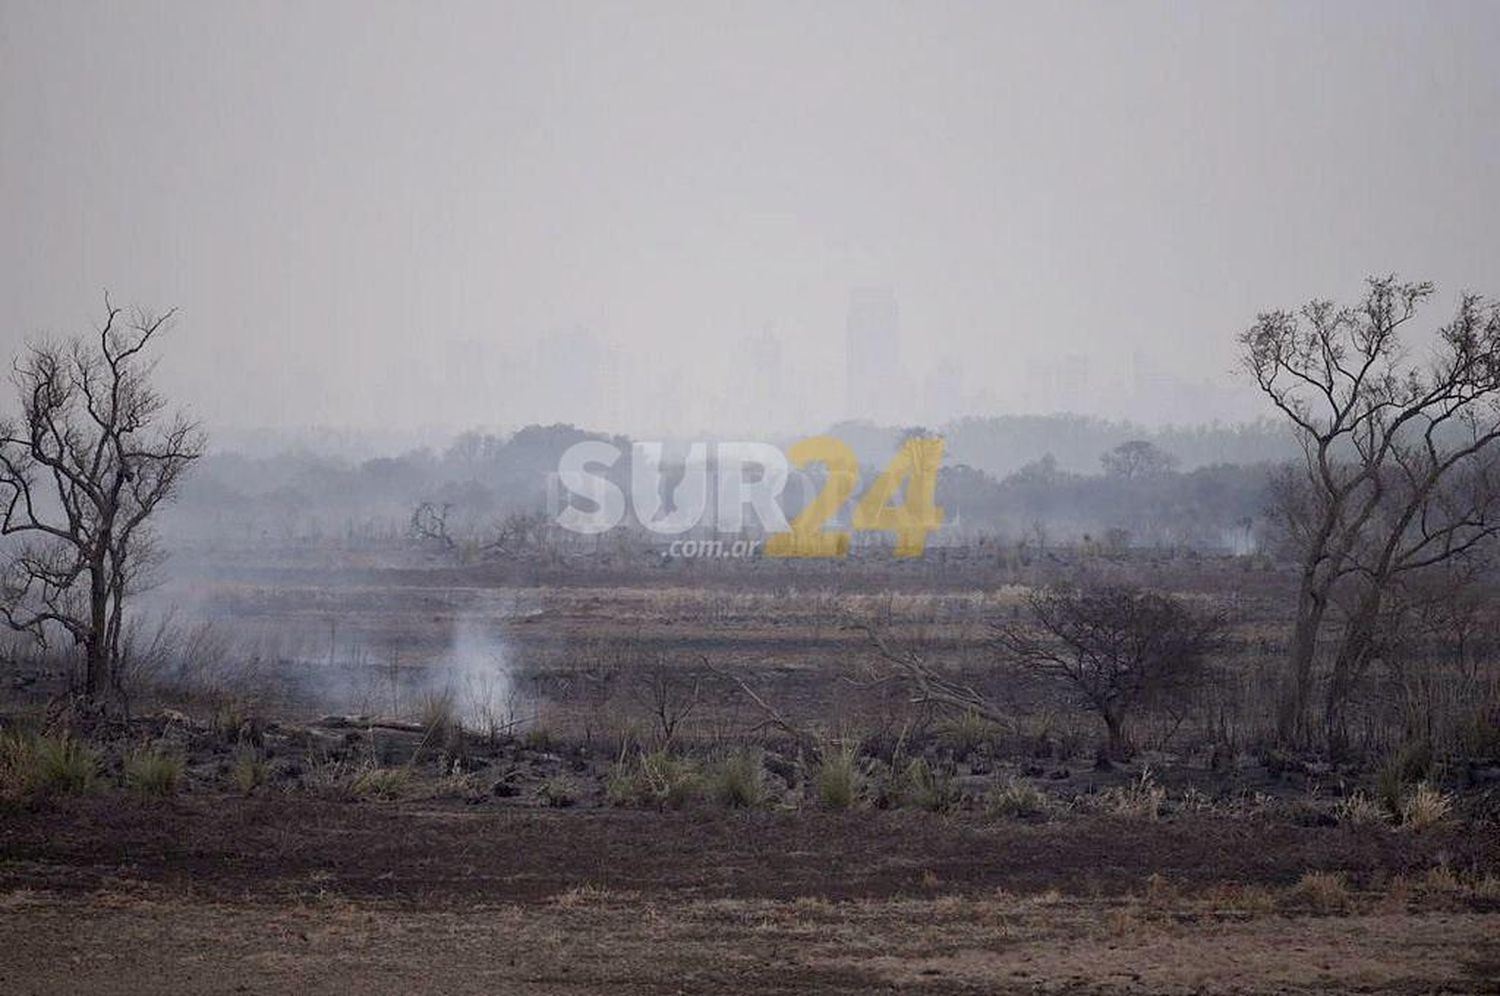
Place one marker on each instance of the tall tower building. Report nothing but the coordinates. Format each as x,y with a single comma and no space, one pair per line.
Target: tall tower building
873,361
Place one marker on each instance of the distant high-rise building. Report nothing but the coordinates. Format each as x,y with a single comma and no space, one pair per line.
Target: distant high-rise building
873,343
943,391
758,379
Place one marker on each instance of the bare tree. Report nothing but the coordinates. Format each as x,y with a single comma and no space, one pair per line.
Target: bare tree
91,458
1397,473
516,534
429,524
669,694
1118,646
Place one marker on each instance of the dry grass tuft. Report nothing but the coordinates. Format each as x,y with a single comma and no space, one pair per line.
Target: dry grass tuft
1141,800
1358,809
1320,892
1017,799
658,780
1425,806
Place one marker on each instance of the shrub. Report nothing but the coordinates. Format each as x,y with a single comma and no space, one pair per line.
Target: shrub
928,788
738,780
154,771
248,772
1016,799
839,780
657,779
1425,806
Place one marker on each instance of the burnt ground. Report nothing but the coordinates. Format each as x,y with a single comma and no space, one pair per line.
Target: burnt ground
281,846
487,891
285,893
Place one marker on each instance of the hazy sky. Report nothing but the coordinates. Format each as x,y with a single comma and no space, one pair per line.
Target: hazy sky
371,214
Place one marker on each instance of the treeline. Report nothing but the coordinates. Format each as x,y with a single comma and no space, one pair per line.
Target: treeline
1130,491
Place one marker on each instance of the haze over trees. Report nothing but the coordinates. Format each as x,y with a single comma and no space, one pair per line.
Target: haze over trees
93,455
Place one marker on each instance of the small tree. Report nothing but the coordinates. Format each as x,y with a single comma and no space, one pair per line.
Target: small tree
1118,646
92,456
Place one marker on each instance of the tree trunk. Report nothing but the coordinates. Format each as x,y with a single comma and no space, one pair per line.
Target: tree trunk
1355,653
1119,749
1296,690
96,646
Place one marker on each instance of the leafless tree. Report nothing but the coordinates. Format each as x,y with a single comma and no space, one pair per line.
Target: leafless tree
91,458
669,694
429,524
1118,646
516,534
1398,471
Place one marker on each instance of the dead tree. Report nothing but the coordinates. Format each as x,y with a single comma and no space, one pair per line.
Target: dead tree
429,524
1117,646
669,694
1396,471
91,458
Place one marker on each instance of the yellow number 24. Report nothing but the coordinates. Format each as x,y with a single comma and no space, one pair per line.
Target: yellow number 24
915,465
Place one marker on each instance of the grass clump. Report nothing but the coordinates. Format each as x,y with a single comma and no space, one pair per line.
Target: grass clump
32,765
329,778
66,765
928,788
1320,892
153,771
966,733
1425,806
558,792
1359,809
249,771
1404,768
1016,800
1142,799
839,780
380,783
657,780
437,713
738,780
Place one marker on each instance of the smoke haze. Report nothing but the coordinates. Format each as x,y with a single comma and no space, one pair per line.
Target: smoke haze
661,218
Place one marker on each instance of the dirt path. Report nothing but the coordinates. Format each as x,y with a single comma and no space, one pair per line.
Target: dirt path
285,894
618,943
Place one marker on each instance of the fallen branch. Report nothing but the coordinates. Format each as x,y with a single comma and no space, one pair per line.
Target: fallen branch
930,686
